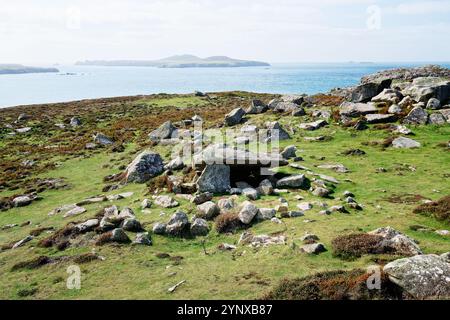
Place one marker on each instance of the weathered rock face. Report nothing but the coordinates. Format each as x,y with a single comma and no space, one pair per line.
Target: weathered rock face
422,276
234,117
159,228
165,131
388,95
354,110
293,98
144,167
256,106
101,139
423,89
203,197
298,112
405,143
446,114
367,91
131,224
248,212
416,116
215,178
87,225
294,181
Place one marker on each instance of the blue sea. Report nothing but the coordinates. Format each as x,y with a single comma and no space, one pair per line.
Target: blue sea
86,82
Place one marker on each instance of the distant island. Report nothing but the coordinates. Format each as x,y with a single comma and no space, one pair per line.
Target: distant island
179,61
20,69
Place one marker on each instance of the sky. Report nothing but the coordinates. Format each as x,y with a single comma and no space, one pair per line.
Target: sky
43,32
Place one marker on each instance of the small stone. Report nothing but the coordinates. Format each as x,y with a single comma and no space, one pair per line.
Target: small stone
159,228
248,212
251,193
146,204
313,248
118,235
199,227
208,210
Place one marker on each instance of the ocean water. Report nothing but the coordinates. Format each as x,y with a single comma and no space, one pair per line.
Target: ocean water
86,82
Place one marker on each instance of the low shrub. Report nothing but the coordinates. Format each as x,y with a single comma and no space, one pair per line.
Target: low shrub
439,209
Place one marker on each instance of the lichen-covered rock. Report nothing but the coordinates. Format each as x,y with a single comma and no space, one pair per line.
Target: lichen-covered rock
144,167
101,139
227,204
422,276
367,91
436,118
177,224
416,116
388,95
215,178
203,197
380,118
175,164
248,212
276,131
256,106
131,224
311,126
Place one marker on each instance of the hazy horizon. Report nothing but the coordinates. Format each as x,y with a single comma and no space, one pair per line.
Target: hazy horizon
289,31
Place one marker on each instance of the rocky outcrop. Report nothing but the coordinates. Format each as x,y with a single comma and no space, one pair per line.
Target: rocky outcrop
366,91
407,74
423,89
145,166
416,116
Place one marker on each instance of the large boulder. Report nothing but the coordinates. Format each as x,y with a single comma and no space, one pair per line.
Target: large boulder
144,167
294,181
397,242
354,110
248,212
103,140
424,88
165,131
22,201
311,126
234,117
199,227
265,187
256,106
286,107
276,131
208,210
433,103
388,95
178,224
293,98
416,116
436,118
422,276
215,178
405,143
367,91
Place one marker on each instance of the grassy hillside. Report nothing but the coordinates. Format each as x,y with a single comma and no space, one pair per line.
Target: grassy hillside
141,272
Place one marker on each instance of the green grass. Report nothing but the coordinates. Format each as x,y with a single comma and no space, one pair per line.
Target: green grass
134,272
